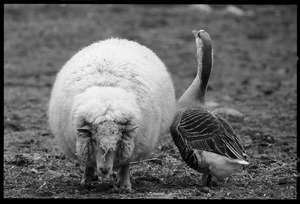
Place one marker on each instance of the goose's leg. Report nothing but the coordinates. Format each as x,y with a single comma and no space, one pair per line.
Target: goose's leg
206,179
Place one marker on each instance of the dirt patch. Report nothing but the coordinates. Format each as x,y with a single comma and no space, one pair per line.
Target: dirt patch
254,73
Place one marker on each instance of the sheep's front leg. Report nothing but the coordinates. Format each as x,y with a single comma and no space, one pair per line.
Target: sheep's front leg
124,178
88,175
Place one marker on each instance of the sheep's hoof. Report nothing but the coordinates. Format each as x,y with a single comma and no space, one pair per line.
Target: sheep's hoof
122,189
124,185
86,184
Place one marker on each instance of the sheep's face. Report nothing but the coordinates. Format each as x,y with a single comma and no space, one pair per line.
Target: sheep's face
108,135
104,145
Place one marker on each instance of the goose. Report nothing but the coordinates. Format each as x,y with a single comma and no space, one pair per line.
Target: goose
206,141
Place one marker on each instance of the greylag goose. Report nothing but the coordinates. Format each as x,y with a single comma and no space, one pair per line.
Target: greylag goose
206,141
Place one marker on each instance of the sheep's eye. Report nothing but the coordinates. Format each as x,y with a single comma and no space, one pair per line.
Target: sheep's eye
84,132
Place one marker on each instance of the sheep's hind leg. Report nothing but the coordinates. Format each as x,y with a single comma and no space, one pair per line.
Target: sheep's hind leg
123,178
87,176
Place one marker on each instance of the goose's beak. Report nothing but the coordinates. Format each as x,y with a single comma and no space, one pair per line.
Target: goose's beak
196,33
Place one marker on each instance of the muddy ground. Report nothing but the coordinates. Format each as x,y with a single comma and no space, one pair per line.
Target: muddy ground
255,59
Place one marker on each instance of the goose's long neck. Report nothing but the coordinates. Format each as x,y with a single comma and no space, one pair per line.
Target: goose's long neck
195,94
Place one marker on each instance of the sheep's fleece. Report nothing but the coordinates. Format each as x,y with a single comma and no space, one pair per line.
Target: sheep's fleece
117,80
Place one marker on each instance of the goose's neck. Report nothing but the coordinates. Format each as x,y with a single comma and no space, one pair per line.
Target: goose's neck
195,94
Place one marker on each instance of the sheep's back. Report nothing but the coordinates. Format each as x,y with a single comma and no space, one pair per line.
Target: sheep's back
115,63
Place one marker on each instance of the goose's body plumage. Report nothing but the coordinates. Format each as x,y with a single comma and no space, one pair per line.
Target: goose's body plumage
207,143
205,140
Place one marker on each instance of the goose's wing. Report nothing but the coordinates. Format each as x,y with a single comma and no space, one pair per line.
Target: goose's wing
229,129
199,128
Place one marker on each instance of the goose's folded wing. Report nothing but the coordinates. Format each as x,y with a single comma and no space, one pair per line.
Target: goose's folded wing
203,131
229,129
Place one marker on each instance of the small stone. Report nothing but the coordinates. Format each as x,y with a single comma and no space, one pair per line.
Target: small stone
197,193
234,10
203,7
230,112
21,160
47,193
211,104
45,134
33,170
268,138
74,175
41,166
156,161
36,157
204,190
247,141
283,181
260,156
54,174
227,98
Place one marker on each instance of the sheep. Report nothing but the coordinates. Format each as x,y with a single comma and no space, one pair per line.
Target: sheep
110,105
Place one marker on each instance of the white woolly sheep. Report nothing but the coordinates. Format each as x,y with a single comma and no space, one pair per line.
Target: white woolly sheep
109,106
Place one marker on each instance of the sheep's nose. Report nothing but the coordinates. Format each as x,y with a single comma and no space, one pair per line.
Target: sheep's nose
104,171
